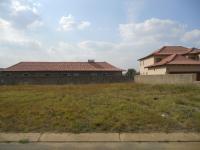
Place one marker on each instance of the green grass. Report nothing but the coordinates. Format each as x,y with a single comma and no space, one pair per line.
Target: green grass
122,107
24,141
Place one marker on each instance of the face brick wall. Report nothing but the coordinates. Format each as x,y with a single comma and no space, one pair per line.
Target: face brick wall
60,77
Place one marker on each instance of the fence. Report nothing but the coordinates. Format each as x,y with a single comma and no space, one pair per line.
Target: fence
62,80
168,78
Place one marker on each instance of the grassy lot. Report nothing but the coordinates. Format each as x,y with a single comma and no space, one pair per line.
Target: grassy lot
123,107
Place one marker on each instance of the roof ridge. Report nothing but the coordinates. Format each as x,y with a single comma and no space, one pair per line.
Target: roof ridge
159,50
60,62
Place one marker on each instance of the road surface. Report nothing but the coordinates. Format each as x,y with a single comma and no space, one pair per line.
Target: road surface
102,146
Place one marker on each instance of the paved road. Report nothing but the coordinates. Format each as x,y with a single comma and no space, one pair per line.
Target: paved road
102,146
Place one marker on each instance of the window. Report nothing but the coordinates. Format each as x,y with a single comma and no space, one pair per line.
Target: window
158,59
68,74
46,74
26,74
93,74
193,57
108,74
7,75
76,74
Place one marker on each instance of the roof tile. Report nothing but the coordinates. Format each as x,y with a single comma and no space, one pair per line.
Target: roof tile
63,66
175,59
169,50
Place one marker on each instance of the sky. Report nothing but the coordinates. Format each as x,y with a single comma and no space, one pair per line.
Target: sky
116,31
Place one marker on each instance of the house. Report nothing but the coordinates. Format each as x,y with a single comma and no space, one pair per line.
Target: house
171,60
60,72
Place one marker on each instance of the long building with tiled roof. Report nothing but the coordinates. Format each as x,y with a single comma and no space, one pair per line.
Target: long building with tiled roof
60,72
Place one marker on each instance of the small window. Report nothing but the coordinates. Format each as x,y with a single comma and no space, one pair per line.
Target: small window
76,74
158,60
93,74
193,57
108,74
46,74
26,74
7,75
68,74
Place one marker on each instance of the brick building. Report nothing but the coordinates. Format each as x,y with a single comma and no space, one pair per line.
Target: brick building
60,73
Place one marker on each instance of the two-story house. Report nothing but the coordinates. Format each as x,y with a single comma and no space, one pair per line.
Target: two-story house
171,60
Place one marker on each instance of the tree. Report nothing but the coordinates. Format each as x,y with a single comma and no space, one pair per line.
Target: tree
131,73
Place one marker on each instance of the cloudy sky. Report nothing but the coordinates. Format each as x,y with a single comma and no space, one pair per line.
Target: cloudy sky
117,31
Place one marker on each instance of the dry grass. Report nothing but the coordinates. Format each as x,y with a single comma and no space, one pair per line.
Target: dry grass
124,107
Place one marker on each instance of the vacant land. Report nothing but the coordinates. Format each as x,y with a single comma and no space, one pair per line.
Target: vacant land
123,107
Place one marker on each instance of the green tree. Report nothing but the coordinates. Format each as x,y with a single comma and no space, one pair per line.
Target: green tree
131,73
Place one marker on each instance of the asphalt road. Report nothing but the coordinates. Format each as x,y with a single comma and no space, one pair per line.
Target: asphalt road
102,146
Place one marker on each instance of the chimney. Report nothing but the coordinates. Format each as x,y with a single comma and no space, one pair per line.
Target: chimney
91,60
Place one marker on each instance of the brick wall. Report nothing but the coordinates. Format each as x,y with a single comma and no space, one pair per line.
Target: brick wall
60,77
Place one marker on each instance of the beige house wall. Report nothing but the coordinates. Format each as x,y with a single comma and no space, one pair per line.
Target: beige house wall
157,71
144,63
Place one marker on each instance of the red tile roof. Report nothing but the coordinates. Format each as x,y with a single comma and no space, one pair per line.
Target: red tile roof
63,66
175,59
169,50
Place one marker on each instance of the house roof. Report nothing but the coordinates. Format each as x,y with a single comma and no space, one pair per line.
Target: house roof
1,69
175,59
62,66
170,50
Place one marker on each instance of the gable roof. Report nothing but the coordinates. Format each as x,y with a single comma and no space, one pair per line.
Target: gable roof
62,66
170,50
175,59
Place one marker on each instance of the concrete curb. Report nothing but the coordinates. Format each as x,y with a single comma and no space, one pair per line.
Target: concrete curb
100,137
16,137
82,137
160,137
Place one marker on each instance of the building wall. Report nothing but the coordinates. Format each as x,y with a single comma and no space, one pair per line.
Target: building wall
164,70
150,61
166,79
59,74
60,77
144,63
157,71
183,68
